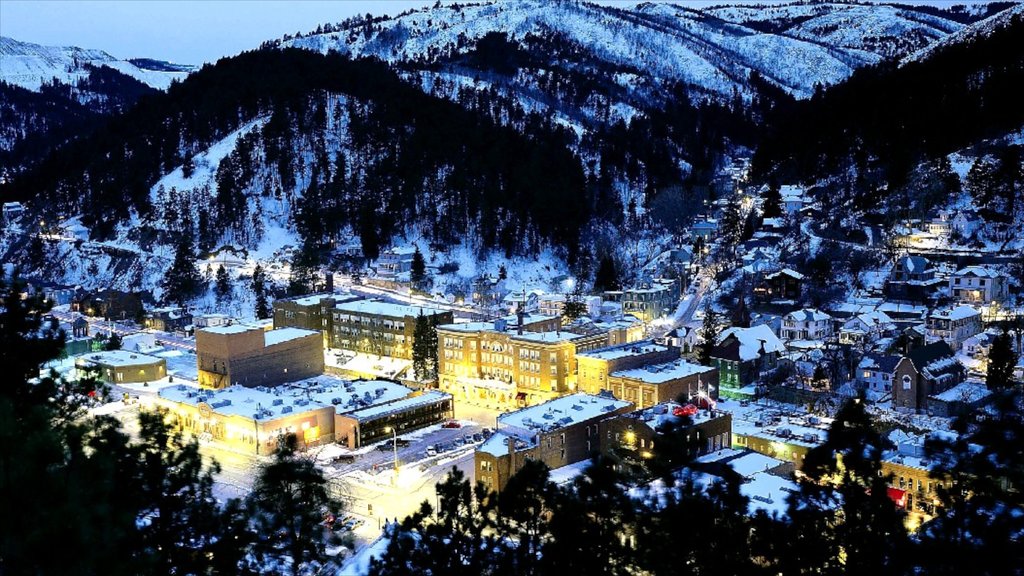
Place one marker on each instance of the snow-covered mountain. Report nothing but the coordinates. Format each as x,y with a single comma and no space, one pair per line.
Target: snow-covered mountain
795,47
30,65
977,30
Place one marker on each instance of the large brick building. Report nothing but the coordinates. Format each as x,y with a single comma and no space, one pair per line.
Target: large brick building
594,366
646,386
925,371
634,435
558,433
250,356
379,328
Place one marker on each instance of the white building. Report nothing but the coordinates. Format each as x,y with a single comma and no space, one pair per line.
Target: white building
807,324
978,285
395,261
954,325
866,328
875,373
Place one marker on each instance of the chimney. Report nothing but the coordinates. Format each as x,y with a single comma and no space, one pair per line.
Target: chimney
519,318
329,282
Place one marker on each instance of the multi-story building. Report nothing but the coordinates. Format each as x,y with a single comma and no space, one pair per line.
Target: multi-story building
867,328
169,319
634,435
953,325
373,423
250,356
784,284
306,312
876,372
807,324
379,328
978,285
650,303
925,371
559,432
678,380
742,355
595,366
395,261
493,364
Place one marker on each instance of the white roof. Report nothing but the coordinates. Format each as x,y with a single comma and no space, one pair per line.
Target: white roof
394,407
661,373
959,313
969,392
622,351
232,329
381,308
558,336
119,358
752,463
560,412
751,340
788,272
285,334
979,271
808,315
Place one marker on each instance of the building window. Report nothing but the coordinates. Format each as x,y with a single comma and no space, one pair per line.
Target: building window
906,382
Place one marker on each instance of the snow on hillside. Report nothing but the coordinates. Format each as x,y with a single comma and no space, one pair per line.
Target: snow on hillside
30,65
978,29
712,50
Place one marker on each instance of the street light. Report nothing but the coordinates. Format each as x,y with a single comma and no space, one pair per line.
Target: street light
394,446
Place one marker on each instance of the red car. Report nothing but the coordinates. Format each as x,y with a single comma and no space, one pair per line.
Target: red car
451,424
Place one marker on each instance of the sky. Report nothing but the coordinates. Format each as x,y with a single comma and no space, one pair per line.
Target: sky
197,31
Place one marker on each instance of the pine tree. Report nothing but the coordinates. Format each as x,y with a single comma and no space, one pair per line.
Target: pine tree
222,288
259,289
607,276
182,281
113,342
418,273
1001,361
708,336
288,504
771,202
574,305
420,343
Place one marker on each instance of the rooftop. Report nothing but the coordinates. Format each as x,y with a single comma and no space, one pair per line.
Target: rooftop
232,329
661,373
560,412
381,308
958,313
623,351
118,358
285,334
396,406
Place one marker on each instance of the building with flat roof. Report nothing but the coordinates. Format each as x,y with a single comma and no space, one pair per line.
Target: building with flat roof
253,420
558,432
593,367
646,386
378,327
250,356
373,423
634,435
123,367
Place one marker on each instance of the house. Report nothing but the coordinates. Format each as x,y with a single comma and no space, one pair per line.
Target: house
559,432
12,212
784,284
978,346
75,230
978,285
954,325
793,199
742,355
807,324
913,280
211,320
111,304
685,338
651,302
524,300
939,227
959,399
966,223
168,319
551,304
925,371
705,229
875,373
911,268
395,261
867,328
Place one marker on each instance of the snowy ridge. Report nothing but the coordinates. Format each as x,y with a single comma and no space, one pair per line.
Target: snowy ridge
713,50
976,30
30,65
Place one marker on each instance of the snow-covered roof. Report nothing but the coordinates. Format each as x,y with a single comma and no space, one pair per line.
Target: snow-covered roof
118,358
497,444
870,319
397,406
968,392
979,271
560,412
661,373
622,351
280,335
791,191
267,403
785,272
389,309
751,340
958,313
232,329
545,337
808,315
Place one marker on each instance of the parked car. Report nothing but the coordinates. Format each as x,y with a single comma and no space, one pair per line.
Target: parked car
451,424
343,459
402,443
478,437
431,451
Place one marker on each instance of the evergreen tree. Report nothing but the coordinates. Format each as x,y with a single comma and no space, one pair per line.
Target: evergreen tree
36,253
1001,361
222,287
502,272
574,305
842,520
708,336
418,273
607,276
771,202
288,504
182,281
420,348
113,342
259,289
